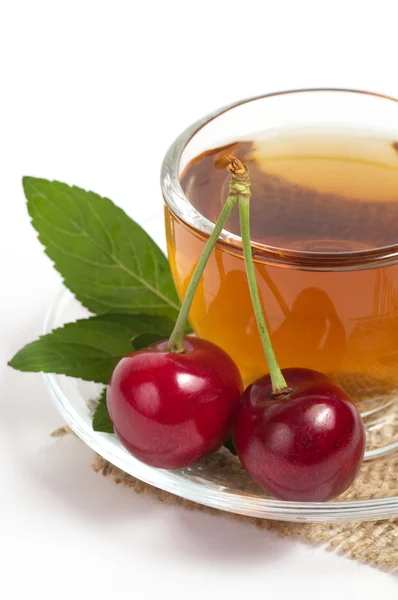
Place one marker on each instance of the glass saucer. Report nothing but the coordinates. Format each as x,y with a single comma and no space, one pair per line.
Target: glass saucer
217,481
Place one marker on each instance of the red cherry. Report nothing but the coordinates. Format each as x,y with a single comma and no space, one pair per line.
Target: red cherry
305,446
171,409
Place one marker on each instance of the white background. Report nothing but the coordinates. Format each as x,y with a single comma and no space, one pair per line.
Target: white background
92,93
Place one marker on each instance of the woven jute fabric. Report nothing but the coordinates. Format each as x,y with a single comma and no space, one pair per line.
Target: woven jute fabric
374,542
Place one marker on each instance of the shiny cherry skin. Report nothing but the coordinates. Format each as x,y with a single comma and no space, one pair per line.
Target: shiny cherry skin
305,446
168,409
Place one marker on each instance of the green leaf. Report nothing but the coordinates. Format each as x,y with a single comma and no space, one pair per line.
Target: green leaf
101,419
143,340
89,348
106,259
229,444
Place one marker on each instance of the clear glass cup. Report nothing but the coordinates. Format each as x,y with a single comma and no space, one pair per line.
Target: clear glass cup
336,312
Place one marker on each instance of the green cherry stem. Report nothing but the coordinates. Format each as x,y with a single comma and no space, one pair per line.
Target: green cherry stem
278,382
176,339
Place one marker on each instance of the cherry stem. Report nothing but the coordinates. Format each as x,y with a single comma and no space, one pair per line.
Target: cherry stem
278,382
176,339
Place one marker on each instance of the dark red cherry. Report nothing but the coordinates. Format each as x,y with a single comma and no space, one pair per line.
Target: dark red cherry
305,446
171,409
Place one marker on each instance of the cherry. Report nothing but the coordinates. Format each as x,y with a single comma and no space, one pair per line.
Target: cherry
297,433
171,409
174,402
305,445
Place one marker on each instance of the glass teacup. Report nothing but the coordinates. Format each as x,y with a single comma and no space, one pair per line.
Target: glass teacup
330,297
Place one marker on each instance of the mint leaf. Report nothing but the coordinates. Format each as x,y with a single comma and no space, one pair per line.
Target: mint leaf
89,348
106,259
101,419
229,444
143,340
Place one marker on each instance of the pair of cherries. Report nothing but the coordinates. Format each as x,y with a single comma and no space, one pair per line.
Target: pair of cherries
296,432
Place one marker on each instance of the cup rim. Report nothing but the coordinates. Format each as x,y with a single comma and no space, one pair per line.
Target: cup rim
188,215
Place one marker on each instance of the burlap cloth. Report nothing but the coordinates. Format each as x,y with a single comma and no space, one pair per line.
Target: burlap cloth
374,542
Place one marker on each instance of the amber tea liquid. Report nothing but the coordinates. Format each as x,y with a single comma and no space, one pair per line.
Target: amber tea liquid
314,191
